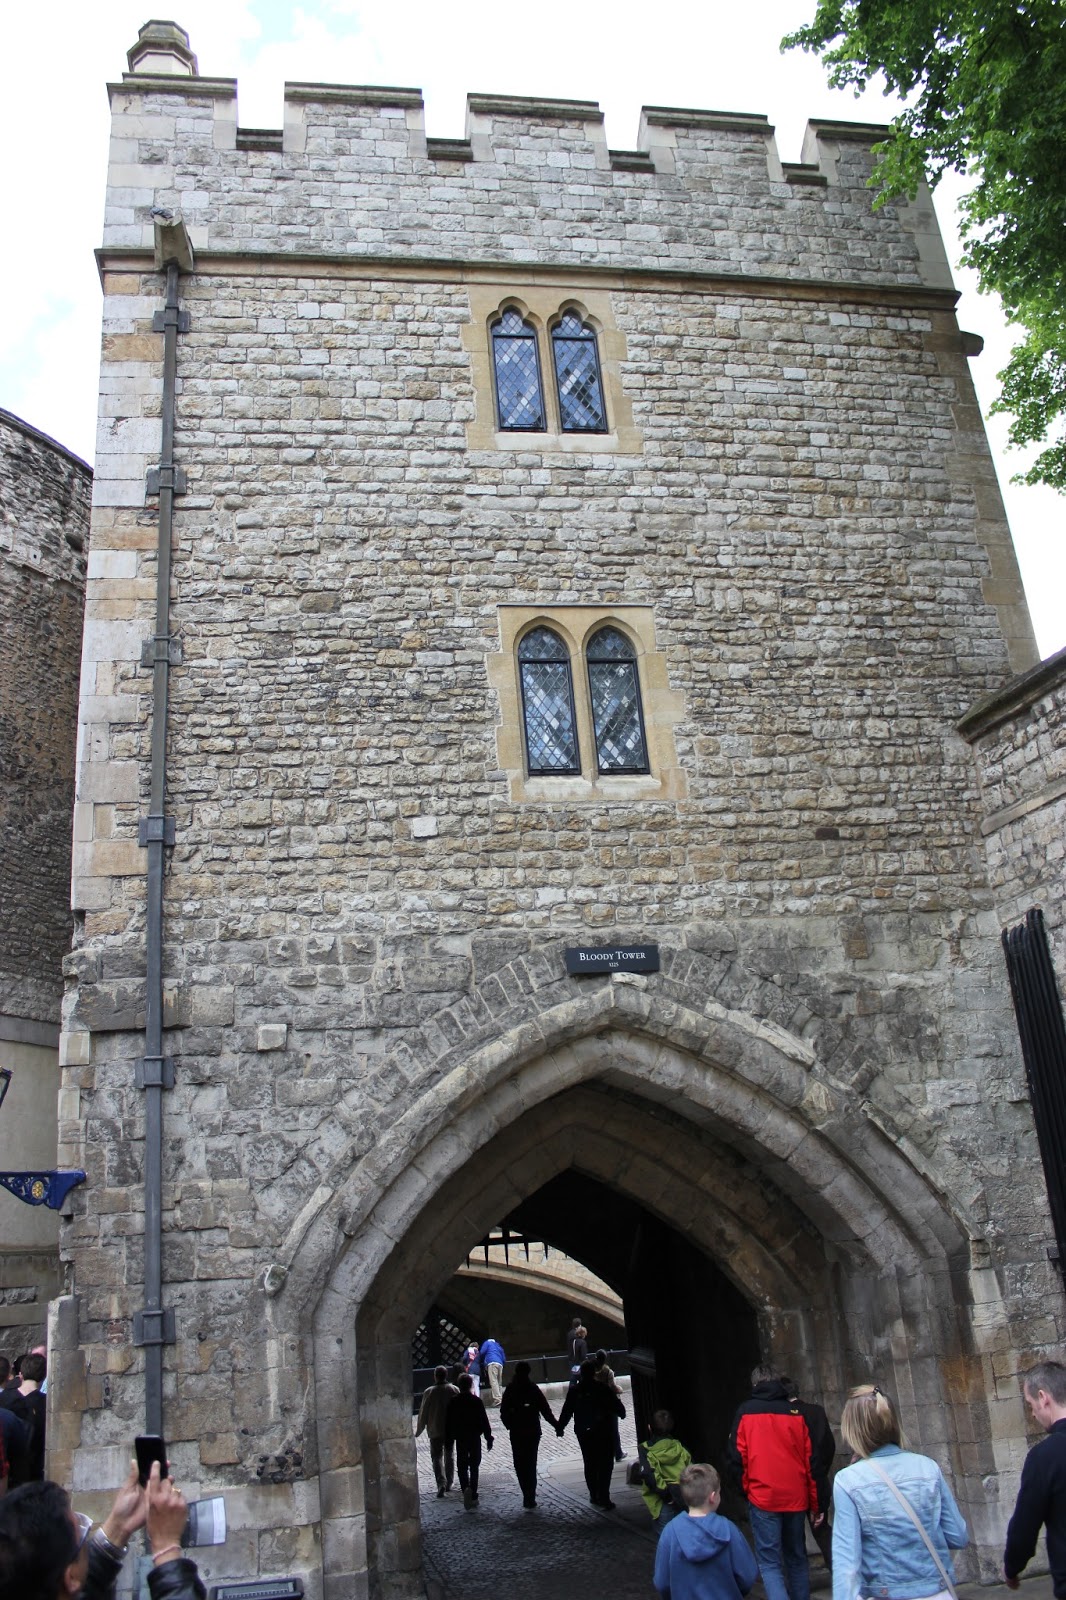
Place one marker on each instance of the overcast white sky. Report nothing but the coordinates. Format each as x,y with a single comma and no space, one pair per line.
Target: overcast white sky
55,122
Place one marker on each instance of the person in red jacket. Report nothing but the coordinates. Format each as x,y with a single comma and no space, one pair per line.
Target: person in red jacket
771,1452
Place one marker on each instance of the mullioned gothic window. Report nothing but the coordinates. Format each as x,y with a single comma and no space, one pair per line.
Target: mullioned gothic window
519,391
577,375
617,715
548,711
516,365
547,704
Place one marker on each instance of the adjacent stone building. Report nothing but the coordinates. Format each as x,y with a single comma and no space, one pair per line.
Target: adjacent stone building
507,548
1019,737
44,532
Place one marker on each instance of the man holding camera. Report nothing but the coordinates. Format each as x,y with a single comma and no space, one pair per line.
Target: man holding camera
50,1552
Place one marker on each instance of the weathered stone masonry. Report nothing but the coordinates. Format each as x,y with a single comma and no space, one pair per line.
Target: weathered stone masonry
1019,737
378,1053
44,532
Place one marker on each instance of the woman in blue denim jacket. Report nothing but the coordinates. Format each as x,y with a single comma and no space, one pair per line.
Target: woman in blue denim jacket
877,1550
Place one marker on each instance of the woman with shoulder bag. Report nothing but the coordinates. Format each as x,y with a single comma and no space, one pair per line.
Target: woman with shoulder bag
894,1517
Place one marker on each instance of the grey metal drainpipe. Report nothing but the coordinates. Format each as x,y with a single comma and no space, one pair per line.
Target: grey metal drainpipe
153,1327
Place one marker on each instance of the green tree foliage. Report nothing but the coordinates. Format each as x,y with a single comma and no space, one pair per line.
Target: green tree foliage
984,84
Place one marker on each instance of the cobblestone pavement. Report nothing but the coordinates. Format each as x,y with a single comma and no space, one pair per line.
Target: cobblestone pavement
565,1550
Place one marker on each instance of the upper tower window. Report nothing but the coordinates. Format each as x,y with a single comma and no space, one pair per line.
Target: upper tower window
548,704
577,376
547,369
519,391
614,689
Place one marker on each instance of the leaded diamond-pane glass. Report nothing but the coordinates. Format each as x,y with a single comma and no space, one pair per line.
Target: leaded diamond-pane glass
519,397
611,645
577,373
547,704
616,712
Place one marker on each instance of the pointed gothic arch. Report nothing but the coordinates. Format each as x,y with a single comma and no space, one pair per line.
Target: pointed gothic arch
700,1113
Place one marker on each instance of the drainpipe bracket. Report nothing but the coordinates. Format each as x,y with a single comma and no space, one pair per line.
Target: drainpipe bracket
159,478
165,318
161,648
156,830
154,1072
154,1327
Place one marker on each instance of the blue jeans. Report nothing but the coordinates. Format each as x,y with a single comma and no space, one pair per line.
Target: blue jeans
781,1551
667,1514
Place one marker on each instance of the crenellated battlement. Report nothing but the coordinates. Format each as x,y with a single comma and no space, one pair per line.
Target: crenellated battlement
353,173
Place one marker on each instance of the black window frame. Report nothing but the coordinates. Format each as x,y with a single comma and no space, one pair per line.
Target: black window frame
573,771
588,335
634,661
529,335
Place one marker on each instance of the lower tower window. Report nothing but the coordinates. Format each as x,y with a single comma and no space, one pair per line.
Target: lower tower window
547,704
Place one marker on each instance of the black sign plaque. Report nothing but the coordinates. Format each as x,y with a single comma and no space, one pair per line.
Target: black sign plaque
585,960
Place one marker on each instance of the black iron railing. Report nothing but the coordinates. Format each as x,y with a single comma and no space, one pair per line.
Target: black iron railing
545,1369
1038,1009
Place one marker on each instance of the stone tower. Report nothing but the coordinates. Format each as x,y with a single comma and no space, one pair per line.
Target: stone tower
44,530
519,550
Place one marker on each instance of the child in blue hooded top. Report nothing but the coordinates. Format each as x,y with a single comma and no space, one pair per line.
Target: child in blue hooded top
703,1556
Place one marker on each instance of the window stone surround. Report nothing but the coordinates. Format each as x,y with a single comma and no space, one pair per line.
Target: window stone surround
540,305
663,707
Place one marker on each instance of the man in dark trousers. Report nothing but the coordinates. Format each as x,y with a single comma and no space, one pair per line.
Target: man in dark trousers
465,1425
594,1408
1041,1498
521,1409
823,1452
770,1450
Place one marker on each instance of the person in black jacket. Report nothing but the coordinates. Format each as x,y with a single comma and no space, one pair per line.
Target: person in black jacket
823,1453
521,1409
579,1351
50,1552
770,1452
14,1438
28,1404
571,1335
1042,1495
466,1423
594,1409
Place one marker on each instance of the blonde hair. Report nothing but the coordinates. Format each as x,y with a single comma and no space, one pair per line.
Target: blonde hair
869,1420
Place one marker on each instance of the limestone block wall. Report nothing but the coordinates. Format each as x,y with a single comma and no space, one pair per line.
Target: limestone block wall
340,563
353,173
44,537
342,560
1018,735
364,921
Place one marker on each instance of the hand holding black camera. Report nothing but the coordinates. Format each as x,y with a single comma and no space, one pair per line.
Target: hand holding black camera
167,1516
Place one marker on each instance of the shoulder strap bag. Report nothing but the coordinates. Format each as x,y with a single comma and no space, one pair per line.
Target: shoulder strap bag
909,1509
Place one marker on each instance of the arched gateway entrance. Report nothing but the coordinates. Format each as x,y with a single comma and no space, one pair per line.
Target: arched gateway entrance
723,1127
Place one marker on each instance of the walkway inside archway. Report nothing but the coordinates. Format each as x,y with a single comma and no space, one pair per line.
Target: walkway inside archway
694,1340
708,1230
565,1549
693,1336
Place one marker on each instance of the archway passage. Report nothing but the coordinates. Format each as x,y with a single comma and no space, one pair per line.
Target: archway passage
695,1240
804,1206
693,1337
